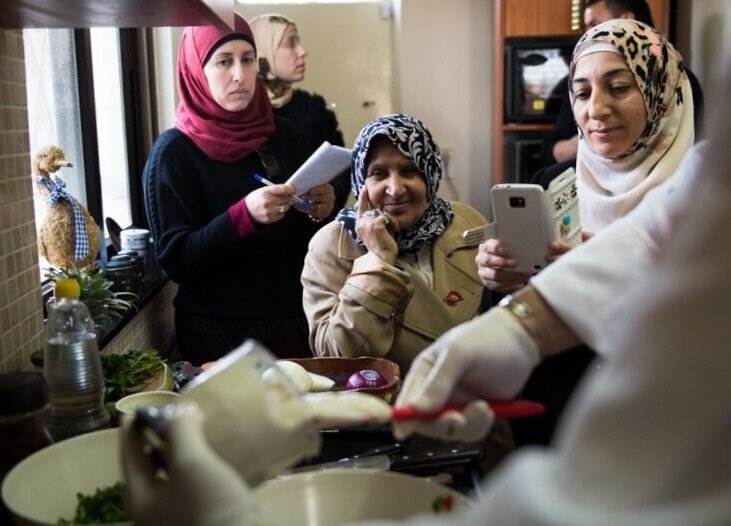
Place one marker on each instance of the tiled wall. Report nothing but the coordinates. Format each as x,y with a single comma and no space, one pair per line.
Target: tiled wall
152,327
21,319
21,315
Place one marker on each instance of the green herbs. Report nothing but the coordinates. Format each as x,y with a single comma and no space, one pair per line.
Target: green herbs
105,506
127,373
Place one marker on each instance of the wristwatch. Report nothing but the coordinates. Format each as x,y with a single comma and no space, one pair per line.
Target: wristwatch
519,308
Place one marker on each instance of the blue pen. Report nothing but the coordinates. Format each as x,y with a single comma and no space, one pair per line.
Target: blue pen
294,197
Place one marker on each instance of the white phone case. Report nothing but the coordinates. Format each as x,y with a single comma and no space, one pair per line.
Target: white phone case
527,219
524,223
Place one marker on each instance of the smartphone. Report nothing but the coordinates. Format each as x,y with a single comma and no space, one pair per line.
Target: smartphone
524,223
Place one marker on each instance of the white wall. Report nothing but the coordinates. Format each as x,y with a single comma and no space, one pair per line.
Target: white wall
349,49
443,57
704,39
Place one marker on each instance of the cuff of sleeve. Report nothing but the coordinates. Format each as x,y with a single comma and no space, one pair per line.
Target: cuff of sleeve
241,219
379,286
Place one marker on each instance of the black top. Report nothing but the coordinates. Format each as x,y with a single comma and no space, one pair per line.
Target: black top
220,274
565,126
309,113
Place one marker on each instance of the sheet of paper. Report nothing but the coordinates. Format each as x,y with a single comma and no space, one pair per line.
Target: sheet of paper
321,167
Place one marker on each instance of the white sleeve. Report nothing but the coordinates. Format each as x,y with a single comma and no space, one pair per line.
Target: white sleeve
646,439
594,277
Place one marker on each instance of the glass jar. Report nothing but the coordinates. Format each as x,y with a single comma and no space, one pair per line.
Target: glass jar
125,271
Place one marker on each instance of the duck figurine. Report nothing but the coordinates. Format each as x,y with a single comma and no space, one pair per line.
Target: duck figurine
69,236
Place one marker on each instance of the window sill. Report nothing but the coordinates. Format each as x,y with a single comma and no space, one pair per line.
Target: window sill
150,292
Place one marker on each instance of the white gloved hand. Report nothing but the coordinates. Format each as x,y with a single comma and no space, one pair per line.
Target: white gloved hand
200,489
488,358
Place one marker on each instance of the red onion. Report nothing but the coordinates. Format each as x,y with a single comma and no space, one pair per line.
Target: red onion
365,378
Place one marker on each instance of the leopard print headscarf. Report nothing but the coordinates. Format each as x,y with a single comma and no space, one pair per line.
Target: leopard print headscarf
609,188
415,141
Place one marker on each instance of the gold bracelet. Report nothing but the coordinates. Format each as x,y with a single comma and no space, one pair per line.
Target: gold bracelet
519,308
547,329
315,219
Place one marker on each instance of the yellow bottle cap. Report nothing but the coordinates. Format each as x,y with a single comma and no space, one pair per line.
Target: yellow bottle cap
67,288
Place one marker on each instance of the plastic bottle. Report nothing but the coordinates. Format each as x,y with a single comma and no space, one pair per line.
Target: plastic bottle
72,366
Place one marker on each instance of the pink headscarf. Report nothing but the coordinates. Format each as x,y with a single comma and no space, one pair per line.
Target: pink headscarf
221,134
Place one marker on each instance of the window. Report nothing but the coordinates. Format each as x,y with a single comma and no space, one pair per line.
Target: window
53,116
88,92
110,125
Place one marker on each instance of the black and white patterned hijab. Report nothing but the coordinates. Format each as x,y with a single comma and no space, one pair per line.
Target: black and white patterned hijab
412,139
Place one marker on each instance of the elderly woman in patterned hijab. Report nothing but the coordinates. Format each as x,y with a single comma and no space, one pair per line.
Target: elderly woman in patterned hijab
390,275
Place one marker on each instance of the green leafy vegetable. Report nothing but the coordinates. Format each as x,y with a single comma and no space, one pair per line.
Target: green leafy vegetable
105,506
127,371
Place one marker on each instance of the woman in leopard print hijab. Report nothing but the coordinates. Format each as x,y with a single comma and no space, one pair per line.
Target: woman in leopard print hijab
610,181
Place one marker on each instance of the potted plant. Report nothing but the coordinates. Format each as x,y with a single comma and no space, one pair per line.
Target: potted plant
105,305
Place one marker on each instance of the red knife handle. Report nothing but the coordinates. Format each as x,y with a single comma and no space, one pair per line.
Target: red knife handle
502,409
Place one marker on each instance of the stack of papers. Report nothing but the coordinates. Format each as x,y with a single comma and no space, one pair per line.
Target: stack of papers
322,166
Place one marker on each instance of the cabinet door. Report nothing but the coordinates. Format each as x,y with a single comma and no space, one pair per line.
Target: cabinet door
542,17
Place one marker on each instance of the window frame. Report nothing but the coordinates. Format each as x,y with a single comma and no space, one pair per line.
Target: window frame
140,116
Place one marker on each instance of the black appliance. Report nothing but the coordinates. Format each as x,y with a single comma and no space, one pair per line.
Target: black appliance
536,70
522,156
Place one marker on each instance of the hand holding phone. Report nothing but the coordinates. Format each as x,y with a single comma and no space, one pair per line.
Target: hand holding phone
523,224
527,218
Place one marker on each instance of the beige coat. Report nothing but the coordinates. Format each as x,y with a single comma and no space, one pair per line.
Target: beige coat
356,305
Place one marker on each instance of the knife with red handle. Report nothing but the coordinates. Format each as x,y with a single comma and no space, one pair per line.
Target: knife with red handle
502,408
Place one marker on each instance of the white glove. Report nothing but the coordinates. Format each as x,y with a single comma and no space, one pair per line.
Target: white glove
256,419
488,358
200,487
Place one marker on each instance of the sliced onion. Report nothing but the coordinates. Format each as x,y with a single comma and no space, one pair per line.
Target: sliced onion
365,378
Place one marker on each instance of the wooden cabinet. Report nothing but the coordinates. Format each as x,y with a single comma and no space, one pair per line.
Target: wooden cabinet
537,18
541,17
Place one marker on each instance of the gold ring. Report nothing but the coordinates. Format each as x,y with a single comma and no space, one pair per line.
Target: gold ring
282,210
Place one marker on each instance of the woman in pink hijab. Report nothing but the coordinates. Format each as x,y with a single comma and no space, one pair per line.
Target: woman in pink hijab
234,246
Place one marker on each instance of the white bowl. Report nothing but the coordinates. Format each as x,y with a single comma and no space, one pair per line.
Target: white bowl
42,488
341,496
130,403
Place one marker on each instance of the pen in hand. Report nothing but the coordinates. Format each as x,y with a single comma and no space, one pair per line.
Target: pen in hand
296,199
